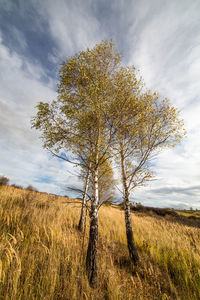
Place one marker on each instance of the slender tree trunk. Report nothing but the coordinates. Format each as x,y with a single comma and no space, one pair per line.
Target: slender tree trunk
129,231
91,259
80,224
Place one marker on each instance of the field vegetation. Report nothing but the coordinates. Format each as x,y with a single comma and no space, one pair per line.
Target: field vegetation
189,213
42,254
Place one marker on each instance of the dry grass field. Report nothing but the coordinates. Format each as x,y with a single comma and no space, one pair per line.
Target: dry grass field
42,255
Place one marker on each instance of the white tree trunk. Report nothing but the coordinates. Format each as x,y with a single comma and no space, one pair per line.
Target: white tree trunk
91,259
129,231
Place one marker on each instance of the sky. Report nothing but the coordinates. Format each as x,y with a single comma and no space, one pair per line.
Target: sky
160,38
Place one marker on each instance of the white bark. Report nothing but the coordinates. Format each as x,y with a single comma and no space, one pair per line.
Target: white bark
129,232
92,258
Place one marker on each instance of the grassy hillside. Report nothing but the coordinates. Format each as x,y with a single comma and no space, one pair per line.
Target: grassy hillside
42,255
189,213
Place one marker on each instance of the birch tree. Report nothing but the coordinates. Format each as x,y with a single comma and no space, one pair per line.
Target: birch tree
79,121
145,125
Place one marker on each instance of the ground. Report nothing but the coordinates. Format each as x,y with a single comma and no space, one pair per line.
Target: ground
42,254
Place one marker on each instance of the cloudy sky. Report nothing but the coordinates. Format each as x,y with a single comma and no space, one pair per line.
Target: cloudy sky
161,38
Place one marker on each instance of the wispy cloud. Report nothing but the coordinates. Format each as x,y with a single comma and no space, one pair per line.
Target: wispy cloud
72,24
22,157
19,38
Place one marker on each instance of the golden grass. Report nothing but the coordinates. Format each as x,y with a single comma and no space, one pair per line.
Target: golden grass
42,255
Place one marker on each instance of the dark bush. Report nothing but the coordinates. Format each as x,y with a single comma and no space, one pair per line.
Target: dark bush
107,203
31,188
193,218
4,180
16,186
157,211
